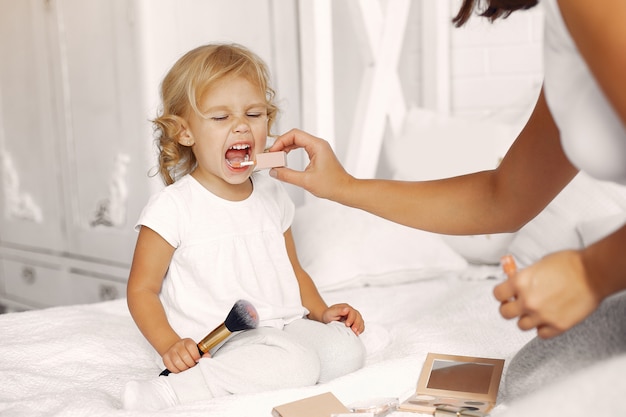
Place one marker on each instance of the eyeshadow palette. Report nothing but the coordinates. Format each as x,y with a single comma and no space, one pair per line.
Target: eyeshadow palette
456,385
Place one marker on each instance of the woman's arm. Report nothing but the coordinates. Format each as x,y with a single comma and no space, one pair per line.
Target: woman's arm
150,262
565,287
605,264
532,173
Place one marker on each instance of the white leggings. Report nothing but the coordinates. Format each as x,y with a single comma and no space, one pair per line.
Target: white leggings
303,353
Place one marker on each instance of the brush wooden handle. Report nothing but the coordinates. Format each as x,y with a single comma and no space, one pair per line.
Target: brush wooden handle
213,339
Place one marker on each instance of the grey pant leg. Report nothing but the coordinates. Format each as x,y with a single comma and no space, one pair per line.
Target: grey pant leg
540,362
596,391
340,351
252,361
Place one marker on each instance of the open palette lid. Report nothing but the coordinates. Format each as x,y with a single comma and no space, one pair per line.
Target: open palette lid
461,385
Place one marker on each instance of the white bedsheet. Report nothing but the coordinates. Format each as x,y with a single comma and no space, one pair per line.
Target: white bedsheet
75,360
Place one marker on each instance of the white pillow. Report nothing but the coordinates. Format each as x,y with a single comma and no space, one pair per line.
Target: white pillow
433,146
481,249
344,247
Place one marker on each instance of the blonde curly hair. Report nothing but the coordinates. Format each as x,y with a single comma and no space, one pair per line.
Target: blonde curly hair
184,87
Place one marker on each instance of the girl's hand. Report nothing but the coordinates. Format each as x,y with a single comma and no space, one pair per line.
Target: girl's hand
344,312
182,355
552,295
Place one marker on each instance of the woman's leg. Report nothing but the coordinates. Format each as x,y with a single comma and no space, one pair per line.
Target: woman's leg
602,335
594,391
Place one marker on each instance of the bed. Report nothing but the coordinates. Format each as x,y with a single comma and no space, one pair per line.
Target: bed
418,292
75,360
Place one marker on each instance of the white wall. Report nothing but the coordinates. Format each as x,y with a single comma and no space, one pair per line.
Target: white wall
482,70
496,68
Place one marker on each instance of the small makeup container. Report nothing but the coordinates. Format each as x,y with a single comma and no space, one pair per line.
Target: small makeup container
375,407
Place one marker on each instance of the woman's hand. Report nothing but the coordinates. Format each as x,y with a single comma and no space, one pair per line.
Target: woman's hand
346,313
182,355
323,177
552,295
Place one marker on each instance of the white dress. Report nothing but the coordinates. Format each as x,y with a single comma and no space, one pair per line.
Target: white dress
225,251
229,250
592,134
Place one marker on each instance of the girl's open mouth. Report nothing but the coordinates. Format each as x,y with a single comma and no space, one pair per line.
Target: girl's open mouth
237,155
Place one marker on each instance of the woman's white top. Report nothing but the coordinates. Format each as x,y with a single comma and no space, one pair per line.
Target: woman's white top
592,134
225,251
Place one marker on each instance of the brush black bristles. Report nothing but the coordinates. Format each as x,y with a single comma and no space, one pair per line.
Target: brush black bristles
242,316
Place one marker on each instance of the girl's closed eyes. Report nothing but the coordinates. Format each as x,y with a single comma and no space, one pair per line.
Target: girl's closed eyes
251,115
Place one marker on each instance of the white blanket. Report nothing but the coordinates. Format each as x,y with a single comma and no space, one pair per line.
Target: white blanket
75,360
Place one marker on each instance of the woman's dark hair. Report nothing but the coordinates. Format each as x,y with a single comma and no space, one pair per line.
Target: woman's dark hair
494,9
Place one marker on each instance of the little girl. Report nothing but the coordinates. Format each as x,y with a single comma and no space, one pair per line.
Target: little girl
220,232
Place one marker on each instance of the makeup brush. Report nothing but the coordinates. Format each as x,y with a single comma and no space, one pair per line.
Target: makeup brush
242,316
